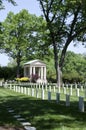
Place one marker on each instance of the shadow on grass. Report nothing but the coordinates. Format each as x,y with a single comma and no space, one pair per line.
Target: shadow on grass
42,114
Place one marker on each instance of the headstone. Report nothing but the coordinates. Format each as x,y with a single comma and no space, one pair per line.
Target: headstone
75,86
37,93
39,85
85,92
81,88
28,91
10,86
20,119
77,92
57,97
54,89
25,90
29,128
1,83
67,100
42,94
63,85
46,87
25,123
5,85
50,88
42,86
14,88
49,95
66,86
70,91
11,111
58,89
32,92
81,104
17,116
64,90
21,89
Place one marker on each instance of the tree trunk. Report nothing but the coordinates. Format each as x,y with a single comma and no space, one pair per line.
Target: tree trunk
18,64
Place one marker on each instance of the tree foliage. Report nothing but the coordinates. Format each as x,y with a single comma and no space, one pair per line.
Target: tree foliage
66,23
20,36
10,1
73,69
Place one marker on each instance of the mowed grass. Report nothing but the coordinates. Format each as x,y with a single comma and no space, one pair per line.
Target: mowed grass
42,114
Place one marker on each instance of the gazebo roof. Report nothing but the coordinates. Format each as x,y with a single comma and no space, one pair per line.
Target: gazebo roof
35,62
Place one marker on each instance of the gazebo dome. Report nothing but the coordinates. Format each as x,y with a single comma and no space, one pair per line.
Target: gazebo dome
35,62
35,67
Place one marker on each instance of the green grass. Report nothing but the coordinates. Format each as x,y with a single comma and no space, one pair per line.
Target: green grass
42,114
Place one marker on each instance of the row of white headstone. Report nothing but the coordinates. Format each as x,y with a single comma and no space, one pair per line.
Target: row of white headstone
64,90
35,91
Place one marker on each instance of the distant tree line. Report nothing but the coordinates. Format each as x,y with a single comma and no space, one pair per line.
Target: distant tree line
74,69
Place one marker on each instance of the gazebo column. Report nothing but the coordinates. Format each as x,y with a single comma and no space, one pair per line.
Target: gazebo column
41,72
44,73
33,70
30,71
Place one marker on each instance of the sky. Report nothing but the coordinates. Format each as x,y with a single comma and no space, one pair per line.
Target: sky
33,7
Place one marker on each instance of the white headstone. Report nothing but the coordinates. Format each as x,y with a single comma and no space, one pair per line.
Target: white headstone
67,100
81,104
57,97
42,94
49,95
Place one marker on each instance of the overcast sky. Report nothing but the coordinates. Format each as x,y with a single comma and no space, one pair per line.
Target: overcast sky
33,7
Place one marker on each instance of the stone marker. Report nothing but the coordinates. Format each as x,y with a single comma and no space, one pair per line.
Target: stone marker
32,92
49,96
54,89
77,92
81,104
29,128
17,116
20,119
67,100
11,111
70,91
57,97
58,89
64,90
25,123
37,94
42,94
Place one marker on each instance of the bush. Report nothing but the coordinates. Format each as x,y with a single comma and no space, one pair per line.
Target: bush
23,79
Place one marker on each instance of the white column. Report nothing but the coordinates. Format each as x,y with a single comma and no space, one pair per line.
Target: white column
30,71
33,70
44,73
41,72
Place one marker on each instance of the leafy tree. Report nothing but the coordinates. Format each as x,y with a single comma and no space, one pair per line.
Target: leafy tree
20,35
66,23
2,6
74,67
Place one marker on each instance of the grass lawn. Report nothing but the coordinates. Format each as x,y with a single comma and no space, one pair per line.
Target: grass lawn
42,114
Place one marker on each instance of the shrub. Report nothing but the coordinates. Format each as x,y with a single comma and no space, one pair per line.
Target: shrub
23,79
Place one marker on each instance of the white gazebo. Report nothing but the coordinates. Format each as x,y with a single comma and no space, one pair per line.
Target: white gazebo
35,67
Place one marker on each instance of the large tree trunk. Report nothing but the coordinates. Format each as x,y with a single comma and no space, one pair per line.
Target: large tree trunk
18,64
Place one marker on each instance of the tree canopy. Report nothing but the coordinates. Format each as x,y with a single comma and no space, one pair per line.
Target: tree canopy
10,1
66,22
20,35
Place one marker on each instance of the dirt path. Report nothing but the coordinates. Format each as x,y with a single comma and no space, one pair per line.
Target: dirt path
10,128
